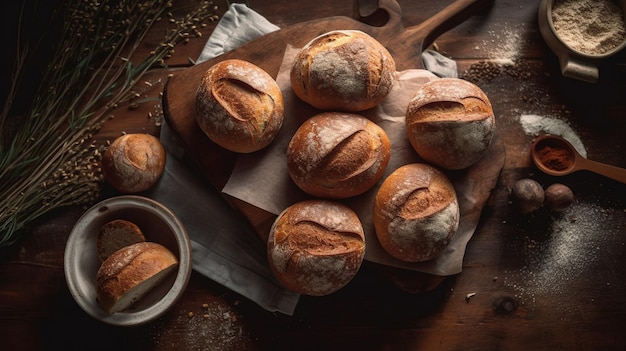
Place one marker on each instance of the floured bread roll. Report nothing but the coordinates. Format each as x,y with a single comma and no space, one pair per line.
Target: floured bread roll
450,123
337,155
416,213
343,70
239,106
316,247
134,162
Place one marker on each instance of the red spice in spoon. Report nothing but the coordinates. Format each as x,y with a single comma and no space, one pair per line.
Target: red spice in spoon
555,156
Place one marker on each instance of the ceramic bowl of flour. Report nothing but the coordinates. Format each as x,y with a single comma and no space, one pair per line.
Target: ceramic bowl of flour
583,33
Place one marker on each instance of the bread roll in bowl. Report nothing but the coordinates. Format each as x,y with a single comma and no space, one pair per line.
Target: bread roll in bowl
337,155
134,162
316,247
345,70
450,123
416,213
131,272
239,106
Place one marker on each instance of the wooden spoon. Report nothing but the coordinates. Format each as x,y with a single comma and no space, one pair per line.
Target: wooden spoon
556,156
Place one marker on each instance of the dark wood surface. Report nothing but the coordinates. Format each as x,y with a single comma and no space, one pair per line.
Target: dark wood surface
536,282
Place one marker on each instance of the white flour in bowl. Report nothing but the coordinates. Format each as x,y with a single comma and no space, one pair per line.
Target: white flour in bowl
592,27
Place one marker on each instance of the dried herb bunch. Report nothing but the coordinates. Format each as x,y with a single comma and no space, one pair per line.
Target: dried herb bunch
50,160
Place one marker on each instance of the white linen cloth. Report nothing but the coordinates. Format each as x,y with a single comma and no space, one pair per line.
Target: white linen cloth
224,248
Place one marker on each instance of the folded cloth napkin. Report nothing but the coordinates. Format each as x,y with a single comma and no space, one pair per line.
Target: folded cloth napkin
239,25
439,64
225,249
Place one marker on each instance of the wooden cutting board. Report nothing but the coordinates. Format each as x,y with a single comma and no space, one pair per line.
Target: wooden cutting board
405,45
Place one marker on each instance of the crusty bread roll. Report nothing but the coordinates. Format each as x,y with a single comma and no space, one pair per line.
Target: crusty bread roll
337,155
115,235
450,123
239,106
316,247
416,213
131,272
345,70
133,162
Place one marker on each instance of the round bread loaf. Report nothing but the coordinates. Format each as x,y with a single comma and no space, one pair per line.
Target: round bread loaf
316,247
134,162
115,235
344,70
131,272
337,155
450,123
239,106
416,213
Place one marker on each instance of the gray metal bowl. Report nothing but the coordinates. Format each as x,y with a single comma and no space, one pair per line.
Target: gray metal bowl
159,225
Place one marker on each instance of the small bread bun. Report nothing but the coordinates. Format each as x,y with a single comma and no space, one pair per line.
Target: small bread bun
337,155
134,162
316,247
343,70
239,106
115,235
450,123
416,213
131,272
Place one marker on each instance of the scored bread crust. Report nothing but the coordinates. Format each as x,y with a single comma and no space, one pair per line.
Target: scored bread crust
337,155
450,123
134,162
316,247
116,234
345,70
239,106
416,213
131,272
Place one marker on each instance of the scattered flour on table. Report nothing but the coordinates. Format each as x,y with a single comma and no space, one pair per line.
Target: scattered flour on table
214,326
577,243
506,43
534,125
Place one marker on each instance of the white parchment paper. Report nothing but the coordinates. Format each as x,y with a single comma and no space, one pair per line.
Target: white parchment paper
262,179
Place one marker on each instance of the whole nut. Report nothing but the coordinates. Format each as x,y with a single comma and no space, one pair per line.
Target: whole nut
528,195
558,197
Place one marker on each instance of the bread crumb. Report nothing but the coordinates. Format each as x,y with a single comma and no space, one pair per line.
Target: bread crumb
469,296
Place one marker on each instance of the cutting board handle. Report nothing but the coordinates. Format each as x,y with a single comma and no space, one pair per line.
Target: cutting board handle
375,12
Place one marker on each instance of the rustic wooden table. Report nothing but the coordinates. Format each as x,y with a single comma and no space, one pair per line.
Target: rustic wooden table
537,282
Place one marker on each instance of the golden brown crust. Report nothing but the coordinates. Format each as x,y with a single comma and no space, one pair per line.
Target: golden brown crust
129,267
134,162
450,123
416,213
345,70
239,106
337,155
316,247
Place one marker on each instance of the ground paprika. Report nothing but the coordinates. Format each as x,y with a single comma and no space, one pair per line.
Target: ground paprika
554,155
